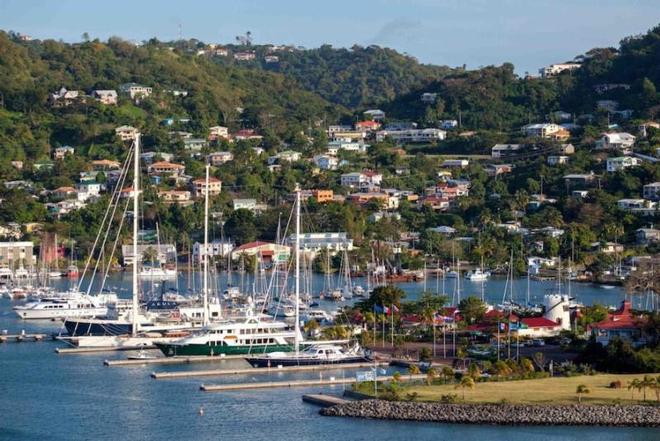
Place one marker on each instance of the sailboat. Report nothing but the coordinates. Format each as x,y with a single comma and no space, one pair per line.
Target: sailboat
314,354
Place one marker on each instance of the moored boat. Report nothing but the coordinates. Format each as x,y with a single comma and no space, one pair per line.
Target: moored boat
313,355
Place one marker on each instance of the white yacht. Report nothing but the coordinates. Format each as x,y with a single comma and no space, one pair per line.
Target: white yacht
477,275
72,304
157,272
253,335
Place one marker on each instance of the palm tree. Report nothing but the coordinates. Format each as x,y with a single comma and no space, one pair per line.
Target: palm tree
396,377
466,383
431,374
632,385
647,381
447,373
413,369
581,390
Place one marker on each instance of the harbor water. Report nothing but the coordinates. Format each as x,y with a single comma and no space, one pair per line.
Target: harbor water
46,396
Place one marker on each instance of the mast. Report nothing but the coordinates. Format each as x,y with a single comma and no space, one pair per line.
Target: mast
136,191
297,273
205,317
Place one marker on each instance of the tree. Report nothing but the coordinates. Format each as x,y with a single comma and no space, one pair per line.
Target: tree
582,389
396,377
474,371
466,382
431,374
413,369
384,296
634,385
241,227
447,373
472,309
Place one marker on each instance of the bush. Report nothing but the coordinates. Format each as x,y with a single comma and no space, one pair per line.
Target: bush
616,384
449,398
412,396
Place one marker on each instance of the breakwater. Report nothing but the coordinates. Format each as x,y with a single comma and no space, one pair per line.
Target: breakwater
501,414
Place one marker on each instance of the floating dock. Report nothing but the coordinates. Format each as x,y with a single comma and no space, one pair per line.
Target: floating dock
171,360
260,371
18,338
295,383
323,400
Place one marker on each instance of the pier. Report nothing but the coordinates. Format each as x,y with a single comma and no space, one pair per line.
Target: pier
171,360
295,383
260,371
18,338
323,400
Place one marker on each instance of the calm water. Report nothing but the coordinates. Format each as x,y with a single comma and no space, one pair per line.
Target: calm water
45,396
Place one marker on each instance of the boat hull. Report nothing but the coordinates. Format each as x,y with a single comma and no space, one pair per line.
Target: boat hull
55,314
174,350
260,362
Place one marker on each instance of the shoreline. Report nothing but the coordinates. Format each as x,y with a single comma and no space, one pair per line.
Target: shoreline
501,414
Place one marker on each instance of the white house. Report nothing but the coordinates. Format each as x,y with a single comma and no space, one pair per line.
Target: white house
107,97
326,162
616,141
360,179
375,114
216,132
61,152
455,163
135,90
215,248
412,135
194,144
557,159
544,130
652,191
315,242
555,69
504,150
448,124
349,146
219,158
621,163
428,97
126,133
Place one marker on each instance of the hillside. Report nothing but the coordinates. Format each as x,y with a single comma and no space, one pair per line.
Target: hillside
358,77
32,70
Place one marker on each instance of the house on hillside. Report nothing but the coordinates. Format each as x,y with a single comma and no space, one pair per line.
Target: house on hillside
546,130
505,150
61,152
622,323
266,253
107,97
374,114
199,187
126,133
616,141
652,191
621,163
135,91
166,168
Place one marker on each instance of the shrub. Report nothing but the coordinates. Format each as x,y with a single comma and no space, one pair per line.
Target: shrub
449,398
616,384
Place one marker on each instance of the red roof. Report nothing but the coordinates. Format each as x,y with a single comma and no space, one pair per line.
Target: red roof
539,322
250,245
367,124
622,318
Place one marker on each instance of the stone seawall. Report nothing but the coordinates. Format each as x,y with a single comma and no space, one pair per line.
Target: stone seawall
501,414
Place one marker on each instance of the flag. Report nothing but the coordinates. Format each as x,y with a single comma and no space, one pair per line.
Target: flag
394,308
378,309
386,310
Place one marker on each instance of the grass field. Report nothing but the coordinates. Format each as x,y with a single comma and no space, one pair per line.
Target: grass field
546,390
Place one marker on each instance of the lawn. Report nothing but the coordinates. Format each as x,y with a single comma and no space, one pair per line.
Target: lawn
546,390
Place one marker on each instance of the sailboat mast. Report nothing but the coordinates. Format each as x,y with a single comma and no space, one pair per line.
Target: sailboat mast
136,191
297,273
205,317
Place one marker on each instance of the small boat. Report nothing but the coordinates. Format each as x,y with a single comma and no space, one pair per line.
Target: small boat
477,275
72,272
157,273
359,291
142,355
314,355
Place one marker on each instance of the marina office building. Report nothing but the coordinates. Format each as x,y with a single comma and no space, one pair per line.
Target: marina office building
13,254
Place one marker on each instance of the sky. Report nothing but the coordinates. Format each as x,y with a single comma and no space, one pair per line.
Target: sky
527,33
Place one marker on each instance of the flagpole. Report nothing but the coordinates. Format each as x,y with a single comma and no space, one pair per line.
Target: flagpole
498,337
444,338
392,328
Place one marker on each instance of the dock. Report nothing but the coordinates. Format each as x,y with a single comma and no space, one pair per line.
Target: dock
323,400
259,371
18,338
171,360
295,383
